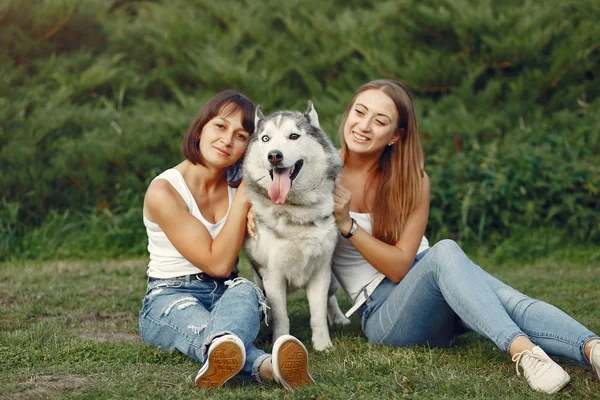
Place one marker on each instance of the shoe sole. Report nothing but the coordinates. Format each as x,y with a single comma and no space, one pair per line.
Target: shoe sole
293,366
224,362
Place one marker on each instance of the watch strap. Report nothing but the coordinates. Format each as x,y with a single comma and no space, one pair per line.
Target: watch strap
352,230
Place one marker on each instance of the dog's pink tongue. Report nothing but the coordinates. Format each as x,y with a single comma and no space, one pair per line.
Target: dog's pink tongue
281,185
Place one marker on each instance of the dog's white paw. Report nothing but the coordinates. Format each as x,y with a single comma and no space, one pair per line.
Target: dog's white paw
321,343
338,319
335,316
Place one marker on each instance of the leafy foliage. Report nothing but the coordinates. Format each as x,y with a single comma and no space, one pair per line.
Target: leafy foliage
95,98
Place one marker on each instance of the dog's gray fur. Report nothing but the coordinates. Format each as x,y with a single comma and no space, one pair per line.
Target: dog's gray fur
294,239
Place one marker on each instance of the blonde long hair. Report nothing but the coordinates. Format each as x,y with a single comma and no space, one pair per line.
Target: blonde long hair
401,166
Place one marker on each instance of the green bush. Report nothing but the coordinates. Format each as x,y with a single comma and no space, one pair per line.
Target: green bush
95,98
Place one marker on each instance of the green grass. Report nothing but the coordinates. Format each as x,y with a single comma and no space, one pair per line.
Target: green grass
69,330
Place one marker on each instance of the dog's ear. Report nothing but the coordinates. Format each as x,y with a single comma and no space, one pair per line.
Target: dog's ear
258,116
311,115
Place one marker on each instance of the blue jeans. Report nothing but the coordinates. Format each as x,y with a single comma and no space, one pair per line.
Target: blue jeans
445,292
186,315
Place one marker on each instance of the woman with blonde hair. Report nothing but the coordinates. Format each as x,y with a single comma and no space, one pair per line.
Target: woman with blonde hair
408,293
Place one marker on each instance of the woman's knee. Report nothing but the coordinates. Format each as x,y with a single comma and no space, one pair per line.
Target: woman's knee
447,250
241,286
244,289
447,255
446,247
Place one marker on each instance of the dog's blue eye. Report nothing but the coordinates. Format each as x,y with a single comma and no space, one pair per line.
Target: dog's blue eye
294,136
265,138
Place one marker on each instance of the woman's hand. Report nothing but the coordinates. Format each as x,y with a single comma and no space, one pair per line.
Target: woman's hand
251,224
341,212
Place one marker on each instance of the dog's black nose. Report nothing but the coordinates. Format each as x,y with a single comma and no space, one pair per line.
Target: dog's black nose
275,157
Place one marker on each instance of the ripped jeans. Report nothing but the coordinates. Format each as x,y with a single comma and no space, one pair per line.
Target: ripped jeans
186,315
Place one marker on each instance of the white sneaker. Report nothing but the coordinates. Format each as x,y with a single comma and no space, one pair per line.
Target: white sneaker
542,374
226,357
290,363
595,355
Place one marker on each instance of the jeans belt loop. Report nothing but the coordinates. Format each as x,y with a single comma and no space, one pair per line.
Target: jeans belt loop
367,296
364,294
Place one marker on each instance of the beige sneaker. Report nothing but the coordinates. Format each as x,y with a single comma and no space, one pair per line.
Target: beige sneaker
290,363
226,357
542,374
595,355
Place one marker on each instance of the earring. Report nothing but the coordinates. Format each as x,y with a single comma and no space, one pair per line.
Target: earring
390,144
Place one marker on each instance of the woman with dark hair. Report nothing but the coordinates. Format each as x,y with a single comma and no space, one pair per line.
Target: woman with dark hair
196,220
410,294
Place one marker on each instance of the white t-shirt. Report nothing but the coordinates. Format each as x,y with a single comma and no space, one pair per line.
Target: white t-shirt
350,267
165,260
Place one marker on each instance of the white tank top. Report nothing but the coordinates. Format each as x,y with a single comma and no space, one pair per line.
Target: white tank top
165,260
350,267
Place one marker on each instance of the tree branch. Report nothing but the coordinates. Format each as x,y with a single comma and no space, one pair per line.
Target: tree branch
60,24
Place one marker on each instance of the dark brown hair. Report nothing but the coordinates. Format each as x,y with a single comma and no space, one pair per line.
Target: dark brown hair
226,102
400,167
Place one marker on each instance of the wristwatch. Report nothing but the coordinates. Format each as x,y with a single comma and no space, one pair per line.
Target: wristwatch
352,229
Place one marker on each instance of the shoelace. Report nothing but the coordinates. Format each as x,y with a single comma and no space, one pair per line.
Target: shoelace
517,359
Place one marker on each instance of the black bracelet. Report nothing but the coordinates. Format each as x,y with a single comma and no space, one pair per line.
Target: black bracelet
352,229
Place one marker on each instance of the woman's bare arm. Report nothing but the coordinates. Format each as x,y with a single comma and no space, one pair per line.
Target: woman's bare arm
394,261
189,236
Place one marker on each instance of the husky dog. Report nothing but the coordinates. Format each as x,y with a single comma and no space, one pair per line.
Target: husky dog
290,169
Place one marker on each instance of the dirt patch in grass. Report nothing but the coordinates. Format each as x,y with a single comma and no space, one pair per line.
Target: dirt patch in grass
115,318
88,267
45,386
119,318
109,327
100,336
6,299
100,326
6,302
